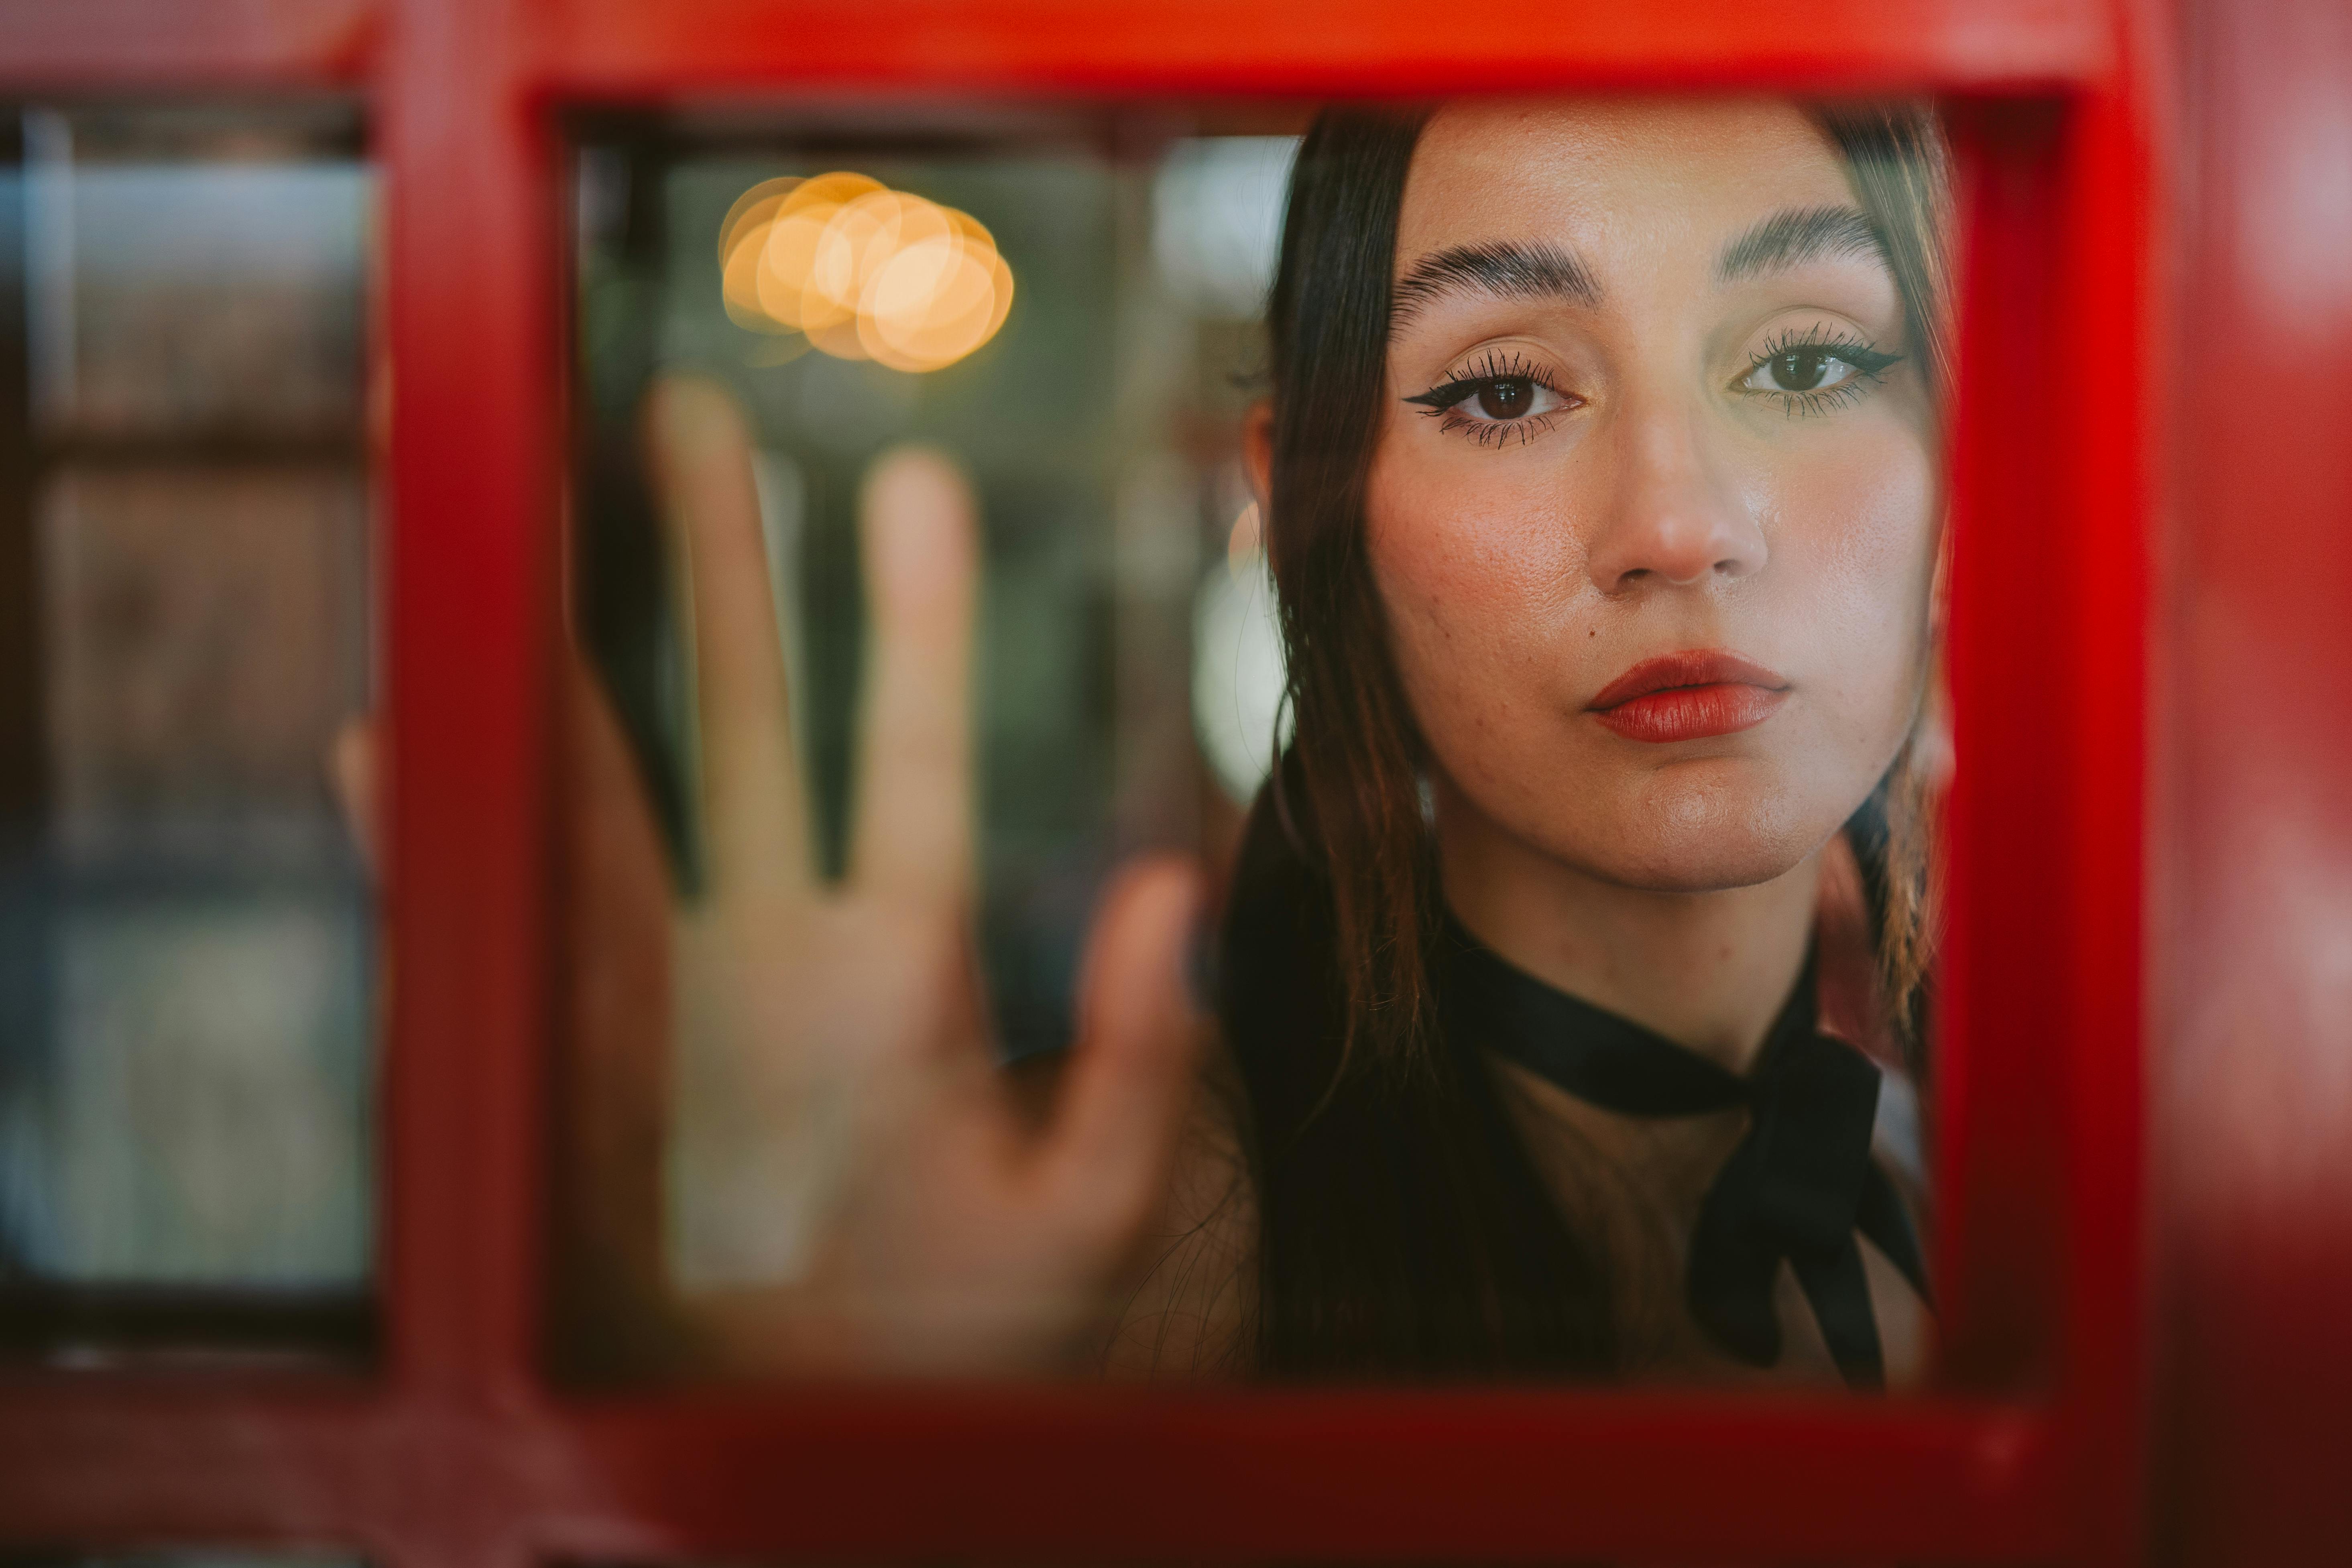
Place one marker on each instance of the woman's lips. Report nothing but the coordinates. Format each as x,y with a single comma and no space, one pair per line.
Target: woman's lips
1689,696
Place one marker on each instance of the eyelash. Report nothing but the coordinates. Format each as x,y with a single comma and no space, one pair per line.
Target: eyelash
1441,401
1870,367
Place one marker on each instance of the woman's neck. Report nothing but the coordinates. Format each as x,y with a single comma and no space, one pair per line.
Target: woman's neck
1708,971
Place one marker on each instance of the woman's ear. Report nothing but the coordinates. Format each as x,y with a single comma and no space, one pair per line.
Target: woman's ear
1257,453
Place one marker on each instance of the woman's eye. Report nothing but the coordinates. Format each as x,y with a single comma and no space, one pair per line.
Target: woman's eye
1496,404
1498,399
1506,397
1815,377
1801,370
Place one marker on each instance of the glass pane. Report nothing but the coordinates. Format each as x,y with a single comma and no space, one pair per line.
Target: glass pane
1565,519
184,1056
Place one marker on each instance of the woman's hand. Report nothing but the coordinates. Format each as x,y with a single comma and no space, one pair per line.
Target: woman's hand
852,1189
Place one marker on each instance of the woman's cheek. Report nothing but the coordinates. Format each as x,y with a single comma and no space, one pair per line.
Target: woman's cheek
1470,594
1857,545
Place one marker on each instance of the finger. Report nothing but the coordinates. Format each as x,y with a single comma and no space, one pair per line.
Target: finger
913,837
608,1130
352,761
1124,1100
754,827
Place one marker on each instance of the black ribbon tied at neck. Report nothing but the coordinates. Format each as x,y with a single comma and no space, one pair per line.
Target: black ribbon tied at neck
1800,1185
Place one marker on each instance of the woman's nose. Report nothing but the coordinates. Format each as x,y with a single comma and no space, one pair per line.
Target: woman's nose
1673,518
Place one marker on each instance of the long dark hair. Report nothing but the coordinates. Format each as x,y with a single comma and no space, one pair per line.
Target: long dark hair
1403,1230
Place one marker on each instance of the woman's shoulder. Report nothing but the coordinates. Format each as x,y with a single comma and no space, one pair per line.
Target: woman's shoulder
1852,996
1850,989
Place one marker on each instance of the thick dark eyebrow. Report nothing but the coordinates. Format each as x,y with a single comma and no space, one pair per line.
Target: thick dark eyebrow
1507,269
1795,235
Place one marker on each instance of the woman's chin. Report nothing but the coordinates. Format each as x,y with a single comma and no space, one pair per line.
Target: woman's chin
1712,870
1702,827
1702,842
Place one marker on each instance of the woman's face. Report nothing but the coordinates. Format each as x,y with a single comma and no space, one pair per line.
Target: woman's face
1653,507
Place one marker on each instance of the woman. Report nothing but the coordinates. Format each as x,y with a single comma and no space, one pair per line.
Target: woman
1601,479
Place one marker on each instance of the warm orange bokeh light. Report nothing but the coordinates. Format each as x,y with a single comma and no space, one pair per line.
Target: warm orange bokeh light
862,271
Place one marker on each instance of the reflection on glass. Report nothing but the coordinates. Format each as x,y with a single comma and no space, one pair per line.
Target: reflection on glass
1237,665
1106,525
1496,544
860,271
184,994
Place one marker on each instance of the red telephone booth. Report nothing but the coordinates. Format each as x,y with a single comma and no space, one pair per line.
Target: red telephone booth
2146,1193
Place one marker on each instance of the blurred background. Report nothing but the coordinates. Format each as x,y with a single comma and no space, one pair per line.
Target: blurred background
186,963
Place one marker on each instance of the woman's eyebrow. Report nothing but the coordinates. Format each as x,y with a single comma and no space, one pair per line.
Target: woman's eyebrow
1794,235
1507,269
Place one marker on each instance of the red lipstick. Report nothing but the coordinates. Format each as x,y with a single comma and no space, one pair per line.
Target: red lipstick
1689,696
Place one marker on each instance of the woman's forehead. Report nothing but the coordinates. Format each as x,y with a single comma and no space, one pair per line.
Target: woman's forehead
1596,172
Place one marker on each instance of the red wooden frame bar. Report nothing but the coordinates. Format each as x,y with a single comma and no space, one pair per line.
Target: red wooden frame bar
131,45
458,1454
604,49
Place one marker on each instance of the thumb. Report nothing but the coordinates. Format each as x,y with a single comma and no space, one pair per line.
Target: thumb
354,759
1123,1103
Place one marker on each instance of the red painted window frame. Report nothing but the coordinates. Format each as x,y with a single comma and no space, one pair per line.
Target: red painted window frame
456,1451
